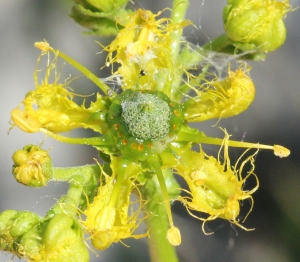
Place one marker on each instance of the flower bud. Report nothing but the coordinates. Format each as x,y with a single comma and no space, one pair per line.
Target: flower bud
32,166
13,224
256,24
59,238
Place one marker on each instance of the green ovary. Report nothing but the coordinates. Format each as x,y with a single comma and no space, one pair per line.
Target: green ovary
143,123
146,116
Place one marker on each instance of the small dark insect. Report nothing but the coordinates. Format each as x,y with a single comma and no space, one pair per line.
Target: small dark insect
142,73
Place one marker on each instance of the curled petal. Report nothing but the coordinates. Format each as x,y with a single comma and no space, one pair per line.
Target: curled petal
222,98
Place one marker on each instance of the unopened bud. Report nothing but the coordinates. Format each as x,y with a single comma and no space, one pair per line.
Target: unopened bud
256,24
32,166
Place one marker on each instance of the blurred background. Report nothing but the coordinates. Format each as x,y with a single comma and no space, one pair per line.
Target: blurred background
273,118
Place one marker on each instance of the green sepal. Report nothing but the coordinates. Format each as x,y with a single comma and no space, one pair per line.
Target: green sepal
97,25
97,21
89,190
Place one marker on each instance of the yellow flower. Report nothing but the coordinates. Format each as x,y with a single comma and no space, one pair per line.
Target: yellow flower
144,44
215,187
144,129
111,217
51,105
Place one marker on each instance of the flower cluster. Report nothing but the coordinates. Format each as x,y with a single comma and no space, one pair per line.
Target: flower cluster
144,140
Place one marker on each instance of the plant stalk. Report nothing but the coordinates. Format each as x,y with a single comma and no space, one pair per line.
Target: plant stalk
157,223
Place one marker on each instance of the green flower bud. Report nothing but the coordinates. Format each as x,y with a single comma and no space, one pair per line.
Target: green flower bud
59,238
13,224
32,166
256,24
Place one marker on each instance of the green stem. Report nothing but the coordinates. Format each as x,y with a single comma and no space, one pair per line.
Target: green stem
83,70
154,163
77,177
120,178
68,204
178,15
201,138
87,73
73,196
157,222
224,45
93,141
218,44
67,173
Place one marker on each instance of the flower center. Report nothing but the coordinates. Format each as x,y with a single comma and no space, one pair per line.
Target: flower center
146,116
143,123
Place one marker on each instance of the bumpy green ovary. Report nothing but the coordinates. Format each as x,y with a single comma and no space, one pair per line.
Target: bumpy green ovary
144,122
146,116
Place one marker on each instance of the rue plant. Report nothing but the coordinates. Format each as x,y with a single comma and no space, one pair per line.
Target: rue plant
145,141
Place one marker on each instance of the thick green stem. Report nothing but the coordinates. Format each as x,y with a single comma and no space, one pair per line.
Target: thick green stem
68,204
178,15
158,224
120,178
73,196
